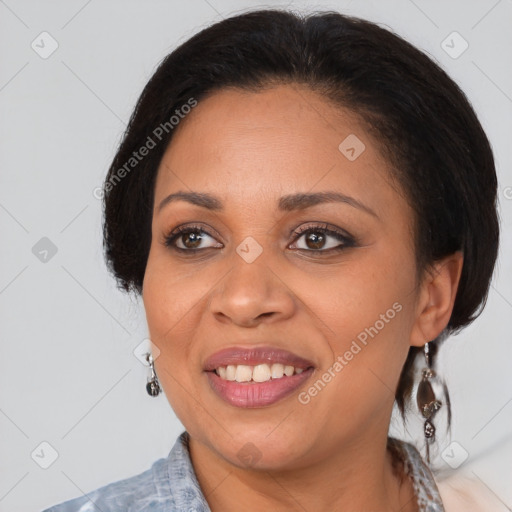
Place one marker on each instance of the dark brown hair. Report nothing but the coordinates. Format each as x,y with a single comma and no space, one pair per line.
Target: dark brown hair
423,122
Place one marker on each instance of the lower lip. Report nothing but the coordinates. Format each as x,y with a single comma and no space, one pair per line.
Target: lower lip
256,394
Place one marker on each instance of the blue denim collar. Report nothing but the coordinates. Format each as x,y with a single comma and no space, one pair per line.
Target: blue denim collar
180,479
188,497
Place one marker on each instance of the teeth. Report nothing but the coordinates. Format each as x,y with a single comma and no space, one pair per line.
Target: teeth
243,373
259,373
230,372
277,370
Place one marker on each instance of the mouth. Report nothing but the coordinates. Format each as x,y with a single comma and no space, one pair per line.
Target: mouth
260,373
256,377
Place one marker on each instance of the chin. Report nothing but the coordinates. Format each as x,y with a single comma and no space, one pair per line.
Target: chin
261,451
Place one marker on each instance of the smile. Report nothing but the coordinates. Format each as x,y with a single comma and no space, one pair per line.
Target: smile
256,377
259,373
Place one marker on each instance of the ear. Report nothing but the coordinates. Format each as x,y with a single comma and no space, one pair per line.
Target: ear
436,299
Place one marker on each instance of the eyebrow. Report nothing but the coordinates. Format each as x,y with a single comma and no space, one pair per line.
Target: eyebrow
286,203
197,198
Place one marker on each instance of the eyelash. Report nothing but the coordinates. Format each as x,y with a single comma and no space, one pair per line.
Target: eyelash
345,239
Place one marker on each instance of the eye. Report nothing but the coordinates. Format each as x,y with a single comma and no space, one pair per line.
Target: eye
189,239
321,238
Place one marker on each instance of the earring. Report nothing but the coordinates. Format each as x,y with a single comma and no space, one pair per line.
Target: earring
152,387
426,399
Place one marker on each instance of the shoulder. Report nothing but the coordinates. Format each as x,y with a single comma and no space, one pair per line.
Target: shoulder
170,484
137,493
463,492
451,492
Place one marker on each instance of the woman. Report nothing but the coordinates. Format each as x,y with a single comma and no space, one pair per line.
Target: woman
306,205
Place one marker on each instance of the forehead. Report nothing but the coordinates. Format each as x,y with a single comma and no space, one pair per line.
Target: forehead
296,116
279,140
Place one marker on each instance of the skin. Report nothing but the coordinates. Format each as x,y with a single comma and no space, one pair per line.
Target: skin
249,149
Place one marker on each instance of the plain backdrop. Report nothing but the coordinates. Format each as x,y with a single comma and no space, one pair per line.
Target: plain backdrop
68,374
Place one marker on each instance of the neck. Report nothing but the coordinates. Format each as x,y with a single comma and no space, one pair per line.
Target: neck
358,476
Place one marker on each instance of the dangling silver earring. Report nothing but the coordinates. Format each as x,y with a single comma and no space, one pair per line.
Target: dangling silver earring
153,386
426,399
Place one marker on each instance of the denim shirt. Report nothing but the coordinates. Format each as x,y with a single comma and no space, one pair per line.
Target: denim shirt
170,485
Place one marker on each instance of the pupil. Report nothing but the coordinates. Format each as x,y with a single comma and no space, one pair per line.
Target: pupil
316,240
194,238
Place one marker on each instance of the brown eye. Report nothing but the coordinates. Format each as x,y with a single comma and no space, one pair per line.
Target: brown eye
189,239
315,240
321,239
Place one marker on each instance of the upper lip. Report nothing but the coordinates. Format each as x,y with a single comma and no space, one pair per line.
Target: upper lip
254,356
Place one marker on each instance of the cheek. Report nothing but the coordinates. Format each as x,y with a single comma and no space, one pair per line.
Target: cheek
355,295
367,311
171,298
169,302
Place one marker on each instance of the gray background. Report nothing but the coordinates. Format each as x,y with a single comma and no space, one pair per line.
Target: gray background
68,373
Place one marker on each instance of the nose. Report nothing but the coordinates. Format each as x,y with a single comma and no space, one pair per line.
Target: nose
250,294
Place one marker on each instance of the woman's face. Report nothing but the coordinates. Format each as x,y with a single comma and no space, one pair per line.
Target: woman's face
293,251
